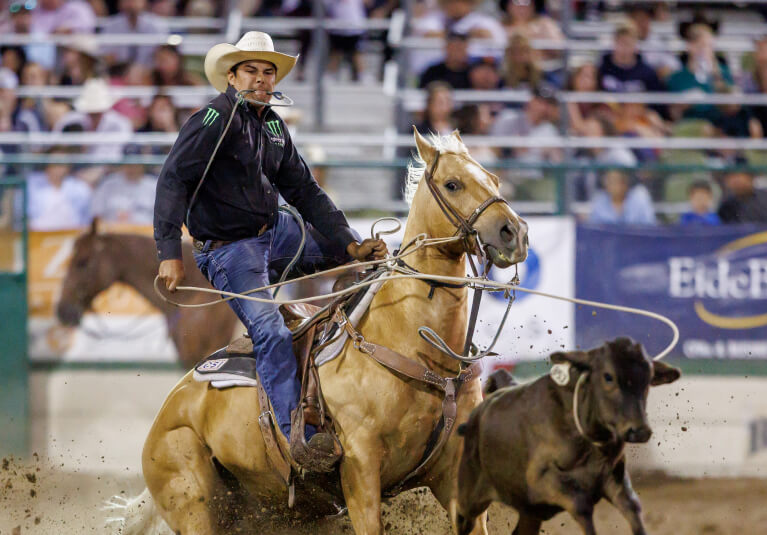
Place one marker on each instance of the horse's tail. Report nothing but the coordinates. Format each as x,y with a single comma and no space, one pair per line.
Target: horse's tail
136,516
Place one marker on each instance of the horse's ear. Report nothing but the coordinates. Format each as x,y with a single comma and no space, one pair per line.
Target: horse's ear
425,149
457,135
94,226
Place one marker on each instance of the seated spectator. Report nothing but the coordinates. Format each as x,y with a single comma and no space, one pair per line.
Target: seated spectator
21,23
345,43
520,64
20,119
664,63
35,74
536,120
93,113
584,79
701,198
754,80
133,18
454,70
79,61
521,18
168,68
484,75
738,121
126,196
586,183
744,203
96,103
13,58
438,113
476,120
63,17
161,116
133,108
635,119
57,200
461,16
615,155
165,8
623,70
621,204
703,71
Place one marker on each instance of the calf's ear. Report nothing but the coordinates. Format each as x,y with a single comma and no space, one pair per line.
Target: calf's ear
581,359
663,374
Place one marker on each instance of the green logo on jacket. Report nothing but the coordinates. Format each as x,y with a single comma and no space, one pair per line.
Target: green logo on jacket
210,116
274,129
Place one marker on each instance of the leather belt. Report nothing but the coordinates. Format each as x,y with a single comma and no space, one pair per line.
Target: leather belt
199,245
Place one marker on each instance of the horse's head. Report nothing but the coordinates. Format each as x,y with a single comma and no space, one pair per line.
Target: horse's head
90,272
458,195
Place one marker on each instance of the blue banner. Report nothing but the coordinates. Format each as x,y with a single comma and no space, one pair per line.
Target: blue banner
711,281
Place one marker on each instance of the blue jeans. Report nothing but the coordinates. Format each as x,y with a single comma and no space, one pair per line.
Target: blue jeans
255,262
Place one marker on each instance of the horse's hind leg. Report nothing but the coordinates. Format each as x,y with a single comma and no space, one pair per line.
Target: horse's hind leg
182,479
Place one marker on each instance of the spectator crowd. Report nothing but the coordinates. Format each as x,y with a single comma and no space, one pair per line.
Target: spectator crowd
508,45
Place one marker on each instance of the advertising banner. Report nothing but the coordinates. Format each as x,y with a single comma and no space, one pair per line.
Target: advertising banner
120,325
711,281
123,325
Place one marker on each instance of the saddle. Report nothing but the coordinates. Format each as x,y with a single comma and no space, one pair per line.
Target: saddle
234,365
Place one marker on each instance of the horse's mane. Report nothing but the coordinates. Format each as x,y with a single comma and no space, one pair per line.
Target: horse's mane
417,167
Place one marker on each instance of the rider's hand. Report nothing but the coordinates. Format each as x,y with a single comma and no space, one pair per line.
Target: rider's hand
367,250
172,273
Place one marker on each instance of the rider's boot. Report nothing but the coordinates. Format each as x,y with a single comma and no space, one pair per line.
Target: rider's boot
319,454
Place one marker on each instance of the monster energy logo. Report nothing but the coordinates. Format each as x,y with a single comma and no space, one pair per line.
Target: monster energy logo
275,132
210,116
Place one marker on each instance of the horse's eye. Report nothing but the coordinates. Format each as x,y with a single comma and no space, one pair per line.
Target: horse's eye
608,378
452,185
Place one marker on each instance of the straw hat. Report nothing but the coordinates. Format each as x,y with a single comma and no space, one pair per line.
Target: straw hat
95,98
253,46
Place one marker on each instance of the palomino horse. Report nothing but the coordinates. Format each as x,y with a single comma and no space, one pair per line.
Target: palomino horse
99,260
203,439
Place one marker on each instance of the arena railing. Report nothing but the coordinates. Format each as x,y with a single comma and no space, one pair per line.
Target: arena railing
392,170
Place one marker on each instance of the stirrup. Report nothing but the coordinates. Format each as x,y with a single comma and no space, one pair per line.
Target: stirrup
307,457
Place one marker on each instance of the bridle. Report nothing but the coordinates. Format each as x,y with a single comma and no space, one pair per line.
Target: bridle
464,226
465,231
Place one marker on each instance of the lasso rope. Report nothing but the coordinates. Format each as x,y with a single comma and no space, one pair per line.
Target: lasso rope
417,243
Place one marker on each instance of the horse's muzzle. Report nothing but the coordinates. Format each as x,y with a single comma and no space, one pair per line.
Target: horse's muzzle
69,314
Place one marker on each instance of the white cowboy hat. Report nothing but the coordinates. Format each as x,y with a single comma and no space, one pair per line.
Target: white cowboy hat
253,46
95,98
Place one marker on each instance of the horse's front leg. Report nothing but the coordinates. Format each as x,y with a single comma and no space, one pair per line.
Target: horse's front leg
361,483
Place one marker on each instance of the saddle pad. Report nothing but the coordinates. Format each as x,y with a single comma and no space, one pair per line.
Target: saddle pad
223,370
341,336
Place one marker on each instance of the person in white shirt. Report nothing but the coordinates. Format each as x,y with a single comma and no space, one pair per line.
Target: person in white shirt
133,18
461,16
126,196
56,200
62,16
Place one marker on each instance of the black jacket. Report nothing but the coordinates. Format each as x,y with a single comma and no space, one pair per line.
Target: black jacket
256,160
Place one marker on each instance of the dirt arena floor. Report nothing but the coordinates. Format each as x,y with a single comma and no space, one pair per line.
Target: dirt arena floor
36,498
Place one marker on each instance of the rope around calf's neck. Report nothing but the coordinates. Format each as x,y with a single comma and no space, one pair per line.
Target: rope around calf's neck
419,241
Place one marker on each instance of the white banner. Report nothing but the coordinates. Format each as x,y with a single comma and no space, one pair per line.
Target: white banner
536,326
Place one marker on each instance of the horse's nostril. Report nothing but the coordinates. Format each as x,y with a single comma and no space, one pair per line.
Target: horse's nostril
507,233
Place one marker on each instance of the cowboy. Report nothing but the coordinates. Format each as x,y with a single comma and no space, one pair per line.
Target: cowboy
238,232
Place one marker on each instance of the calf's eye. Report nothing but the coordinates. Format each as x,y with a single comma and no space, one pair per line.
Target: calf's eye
608,378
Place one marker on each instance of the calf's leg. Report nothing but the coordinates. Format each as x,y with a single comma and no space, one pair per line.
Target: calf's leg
618,490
